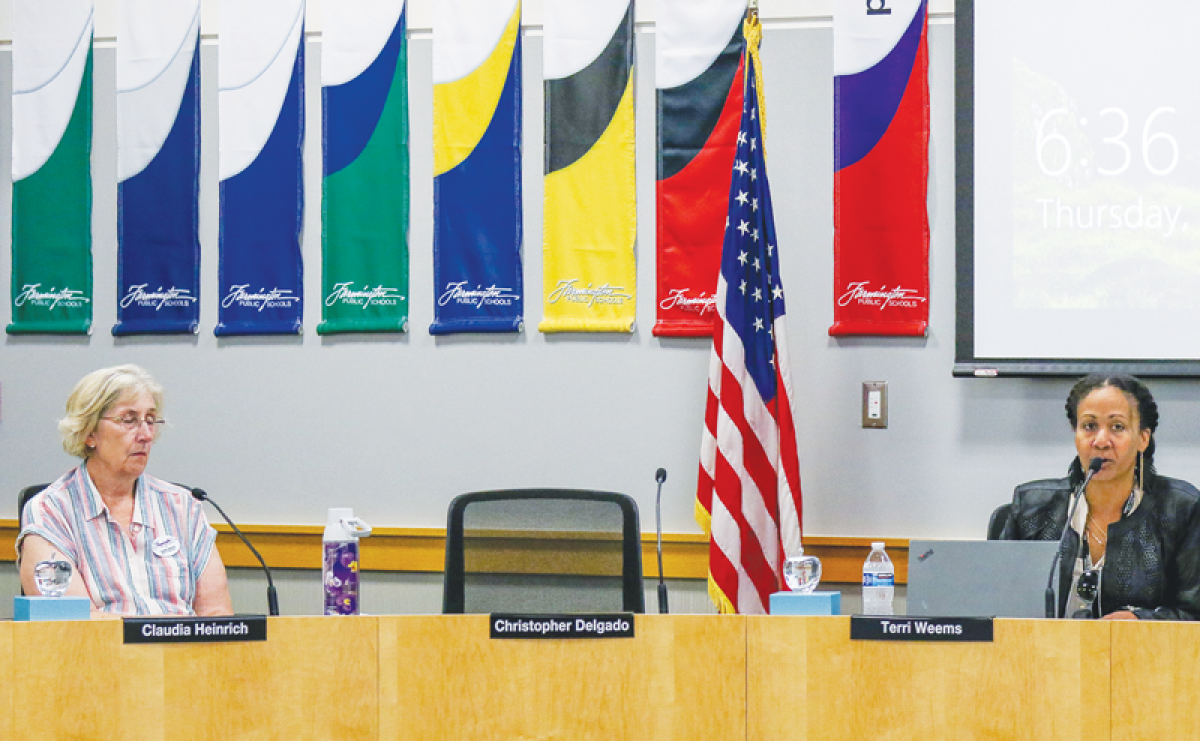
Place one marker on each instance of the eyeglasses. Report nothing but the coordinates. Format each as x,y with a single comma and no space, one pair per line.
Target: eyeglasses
1088,588
131,422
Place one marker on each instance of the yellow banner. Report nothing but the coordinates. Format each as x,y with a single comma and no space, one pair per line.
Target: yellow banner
589,270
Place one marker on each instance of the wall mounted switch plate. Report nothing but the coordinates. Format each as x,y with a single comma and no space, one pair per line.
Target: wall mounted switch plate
874,404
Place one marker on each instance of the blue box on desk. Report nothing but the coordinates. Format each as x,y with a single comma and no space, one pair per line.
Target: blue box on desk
27,609
816,603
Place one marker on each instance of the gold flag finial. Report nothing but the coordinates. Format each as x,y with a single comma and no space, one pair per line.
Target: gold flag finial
752,30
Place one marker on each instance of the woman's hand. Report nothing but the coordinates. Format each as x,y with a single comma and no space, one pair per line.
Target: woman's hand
1120,615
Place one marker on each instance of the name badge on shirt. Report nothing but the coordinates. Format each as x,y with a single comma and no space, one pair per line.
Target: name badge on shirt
164,547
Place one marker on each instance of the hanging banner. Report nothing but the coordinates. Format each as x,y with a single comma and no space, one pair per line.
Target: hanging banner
698,51
590,216
261,127
364,237
477,278
158,166
881,168
51,167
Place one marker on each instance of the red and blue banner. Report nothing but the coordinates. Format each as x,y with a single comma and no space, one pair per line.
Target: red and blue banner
881,167
365,204
477,278
158,167
52,167
698,52
261,128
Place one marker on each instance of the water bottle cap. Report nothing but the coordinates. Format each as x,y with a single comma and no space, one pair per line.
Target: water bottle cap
356,527
876,546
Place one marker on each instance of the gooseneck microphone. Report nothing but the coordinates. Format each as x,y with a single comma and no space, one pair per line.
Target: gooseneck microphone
660,476
272,597
1051,597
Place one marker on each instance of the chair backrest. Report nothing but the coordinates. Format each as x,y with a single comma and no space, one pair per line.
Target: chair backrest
998,520
543,550
24,496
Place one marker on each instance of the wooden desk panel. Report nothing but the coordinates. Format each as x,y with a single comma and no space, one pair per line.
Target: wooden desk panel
1039,680
681,677
1156,680
7,729
314,678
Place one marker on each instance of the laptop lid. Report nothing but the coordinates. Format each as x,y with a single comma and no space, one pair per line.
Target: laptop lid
979,578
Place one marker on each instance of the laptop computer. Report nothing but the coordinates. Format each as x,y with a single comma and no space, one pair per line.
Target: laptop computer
979,578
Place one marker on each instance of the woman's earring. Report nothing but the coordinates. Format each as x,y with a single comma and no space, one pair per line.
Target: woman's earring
1141,473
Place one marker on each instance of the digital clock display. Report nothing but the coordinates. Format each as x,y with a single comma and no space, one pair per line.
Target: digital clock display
1087,179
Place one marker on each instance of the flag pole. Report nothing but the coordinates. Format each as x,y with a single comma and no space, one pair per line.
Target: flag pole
752,31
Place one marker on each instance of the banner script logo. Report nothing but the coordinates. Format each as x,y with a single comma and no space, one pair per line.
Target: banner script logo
859,293
67,297
490,296
605,294
170,297
264,299
678,298
377,296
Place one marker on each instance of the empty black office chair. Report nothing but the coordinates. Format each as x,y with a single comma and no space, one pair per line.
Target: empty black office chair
24,496
22,499
543,551
998,520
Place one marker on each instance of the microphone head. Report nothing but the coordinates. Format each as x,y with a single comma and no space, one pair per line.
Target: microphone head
202,495
660,475
1095,465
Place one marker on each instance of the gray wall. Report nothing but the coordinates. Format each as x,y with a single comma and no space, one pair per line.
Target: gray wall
280,428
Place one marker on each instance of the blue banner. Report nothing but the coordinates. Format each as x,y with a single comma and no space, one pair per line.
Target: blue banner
260,275
477,167
158,263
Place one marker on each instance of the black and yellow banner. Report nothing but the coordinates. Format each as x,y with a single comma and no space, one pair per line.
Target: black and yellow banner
590,218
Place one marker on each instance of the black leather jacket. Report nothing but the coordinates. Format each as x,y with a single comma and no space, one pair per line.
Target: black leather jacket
1152,560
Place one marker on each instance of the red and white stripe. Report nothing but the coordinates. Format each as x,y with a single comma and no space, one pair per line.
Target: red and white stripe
749,488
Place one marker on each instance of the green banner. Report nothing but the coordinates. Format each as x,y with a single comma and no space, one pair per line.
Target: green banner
52,231
365,197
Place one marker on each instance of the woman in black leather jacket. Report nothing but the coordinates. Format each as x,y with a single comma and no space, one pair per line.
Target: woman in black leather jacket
1133,548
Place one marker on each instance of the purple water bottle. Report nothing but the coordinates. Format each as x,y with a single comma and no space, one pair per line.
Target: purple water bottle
340,564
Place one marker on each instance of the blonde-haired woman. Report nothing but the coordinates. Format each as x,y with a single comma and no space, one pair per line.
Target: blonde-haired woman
138,545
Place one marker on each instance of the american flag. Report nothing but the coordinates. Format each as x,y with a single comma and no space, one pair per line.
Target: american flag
748,496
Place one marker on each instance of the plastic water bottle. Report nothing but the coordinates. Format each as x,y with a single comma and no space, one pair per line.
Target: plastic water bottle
340,564
879,583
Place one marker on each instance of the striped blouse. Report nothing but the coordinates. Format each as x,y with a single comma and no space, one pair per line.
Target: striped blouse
152,569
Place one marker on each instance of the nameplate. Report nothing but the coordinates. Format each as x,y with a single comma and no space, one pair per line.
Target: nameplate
939,629
609,625
195,629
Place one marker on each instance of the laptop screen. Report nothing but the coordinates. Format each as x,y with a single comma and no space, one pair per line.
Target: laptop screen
979,578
